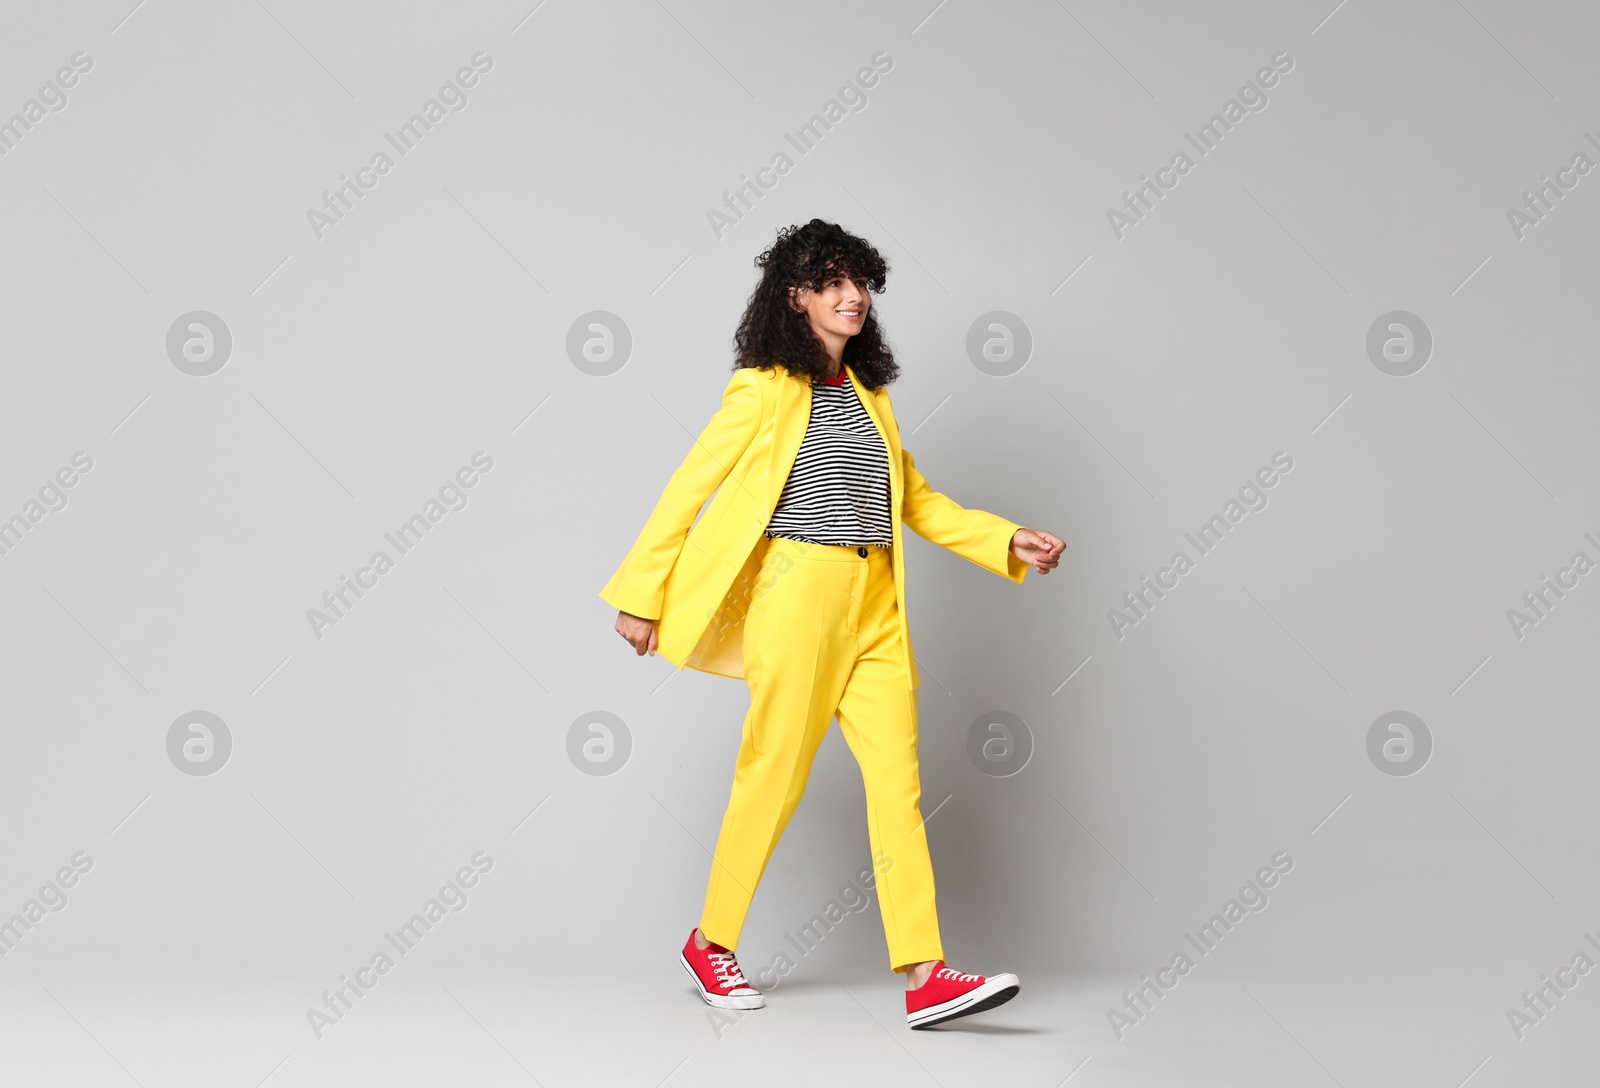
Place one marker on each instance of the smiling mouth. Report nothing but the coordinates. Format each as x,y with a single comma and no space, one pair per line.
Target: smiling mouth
848,315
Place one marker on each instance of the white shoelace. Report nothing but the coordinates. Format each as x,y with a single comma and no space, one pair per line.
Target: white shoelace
957,976
727,969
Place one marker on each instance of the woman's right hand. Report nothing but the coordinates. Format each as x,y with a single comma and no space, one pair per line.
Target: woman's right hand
640,632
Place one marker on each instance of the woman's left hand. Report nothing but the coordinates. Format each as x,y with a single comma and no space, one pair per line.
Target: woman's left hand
1041,549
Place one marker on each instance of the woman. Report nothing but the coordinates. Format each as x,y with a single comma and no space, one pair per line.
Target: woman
792,579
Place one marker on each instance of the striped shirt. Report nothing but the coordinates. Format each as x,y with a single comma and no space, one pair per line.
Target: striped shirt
838,489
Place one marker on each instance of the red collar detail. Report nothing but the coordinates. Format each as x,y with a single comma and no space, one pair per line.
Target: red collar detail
837,379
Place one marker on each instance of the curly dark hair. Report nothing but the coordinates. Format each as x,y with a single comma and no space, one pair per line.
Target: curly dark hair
773,333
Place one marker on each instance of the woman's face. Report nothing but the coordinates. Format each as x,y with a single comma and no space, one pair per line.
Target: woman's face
837,309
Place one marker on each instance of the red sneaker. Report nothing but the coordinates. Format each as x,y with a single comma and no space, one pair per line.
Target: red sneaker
948,994
716,974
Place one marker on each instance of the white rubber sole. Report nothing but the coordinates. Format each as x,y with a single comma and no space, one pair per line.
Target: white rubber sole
995,991
718,1001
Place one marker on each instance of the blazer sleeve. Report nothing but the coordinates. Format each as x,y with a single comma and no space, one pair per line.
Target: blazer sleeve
978,535
638,585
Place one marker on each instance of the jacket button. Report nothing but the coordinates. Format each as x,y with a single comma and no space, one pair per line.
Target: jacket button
862,552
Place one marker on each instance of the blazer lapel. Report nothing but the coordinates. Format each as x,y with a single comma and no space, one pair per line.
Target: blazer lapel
890,435
793,412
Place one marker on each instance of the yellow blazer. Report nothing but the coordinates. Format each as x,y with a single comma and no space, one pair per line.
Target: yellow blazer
698,581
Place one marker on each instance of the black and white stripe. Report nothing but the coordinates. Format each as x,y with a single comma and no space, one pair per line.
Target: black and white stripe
838,490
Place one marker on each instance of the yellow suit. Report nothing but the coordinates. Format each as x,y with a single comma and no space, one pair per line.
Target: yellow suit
826,636
698,582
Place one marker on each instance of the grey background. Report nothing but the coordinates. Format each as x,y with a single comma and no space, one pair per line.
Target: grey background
432,722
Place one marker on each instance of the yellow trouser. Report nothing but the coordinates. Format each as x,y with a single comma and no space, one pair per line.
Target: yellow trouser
822,637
